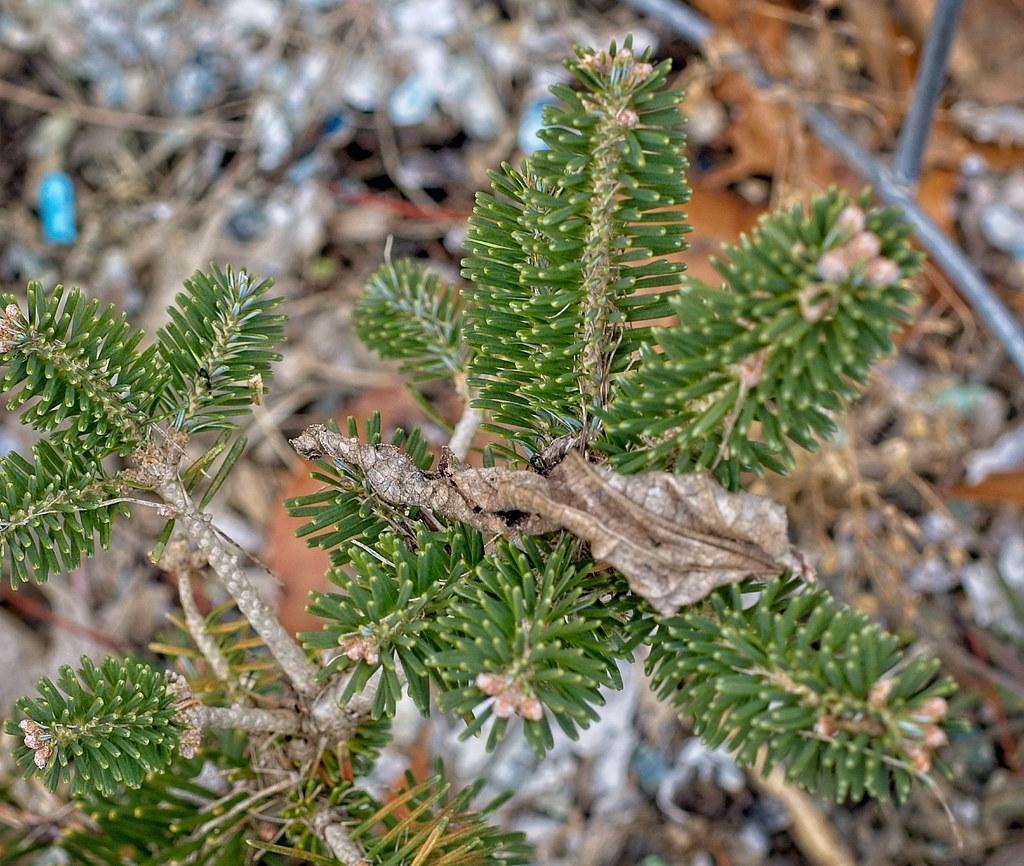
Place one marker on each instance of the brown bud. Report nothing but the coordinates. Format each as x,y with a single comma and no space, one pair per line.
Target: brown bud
935,737
189,742
531,709
921,759
33,733
825,726
255,384
38,740
42,756
179,686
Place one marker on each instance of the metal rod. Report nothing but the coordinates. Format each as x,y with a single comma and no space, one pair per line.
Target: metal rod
1000,321
906,161
687,23
698,31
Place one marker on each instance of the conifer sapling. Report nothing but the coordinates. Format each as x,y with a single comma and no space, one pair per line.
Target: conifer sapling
629,402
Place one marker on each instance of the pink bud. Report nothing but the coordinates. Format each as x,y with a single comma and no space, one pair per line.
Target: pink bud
862,246
851,219
627,118
833,267
814,302
934,709
643,71
360,648
490,684
881,272
505,704
825,726
751,368
935,737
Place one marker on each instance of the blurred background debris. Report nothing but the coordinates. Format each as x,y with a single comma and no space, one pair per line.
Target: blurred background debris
300,138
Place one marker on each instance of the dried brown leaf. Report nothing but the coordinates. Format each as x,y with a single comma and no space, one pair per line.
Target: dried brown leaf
675,538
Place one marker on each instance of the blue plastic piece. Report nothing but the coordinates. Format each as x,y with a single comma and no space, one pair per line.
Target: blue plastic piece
335,123
57,208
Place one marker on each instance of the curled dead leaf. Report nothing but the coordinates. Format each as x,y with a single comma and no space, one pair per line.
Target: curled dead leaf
675,538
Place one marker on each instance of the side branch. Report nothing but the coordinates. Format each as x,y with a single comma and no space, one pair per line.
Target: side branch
252,719
225,562
197,629
674,537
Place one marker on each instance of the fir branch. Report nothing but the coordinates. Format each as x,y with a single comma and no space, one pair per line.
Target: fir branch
532,634
469,422
80,368
407,314
218,348
197,629
176,816
19,843
52,510
156,467
522,365
336,836
427,823
99,727
822,689
614,78
251,669
348,513
381,624
809,304
564,253
341,718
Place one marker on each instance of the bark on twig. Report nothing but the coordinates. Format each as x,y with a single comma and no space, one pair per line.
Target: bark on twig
675,538
252,719
224,559
197,629
336,837
339,720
